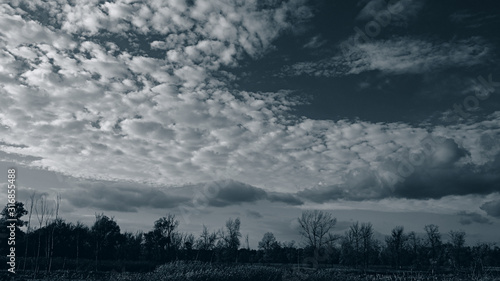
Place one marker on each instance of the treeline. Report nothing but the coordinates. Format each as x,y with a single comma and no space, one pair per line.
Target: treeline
51,243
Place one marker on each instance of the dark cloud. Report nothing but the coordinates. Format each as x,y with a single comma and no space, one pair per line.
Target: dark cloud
13,145
467,218
492,208
437,184
127,197
323,194
443,172
254,214
289,199
443,175
233,193
120,197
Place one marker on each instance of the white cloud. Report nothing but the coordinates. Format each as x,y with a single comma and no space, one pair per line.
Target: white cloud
395,56
315,42
95,110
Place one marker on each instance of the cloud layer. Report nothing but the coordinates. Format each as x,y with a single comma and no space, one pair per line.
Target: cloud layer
143,92
399,55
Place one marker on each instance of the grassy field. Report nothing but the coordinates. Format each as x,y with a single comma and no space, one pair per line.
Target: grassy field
197,271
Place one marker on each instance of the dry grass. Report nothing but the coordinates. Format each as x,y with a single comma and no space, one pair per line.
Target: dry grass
197,271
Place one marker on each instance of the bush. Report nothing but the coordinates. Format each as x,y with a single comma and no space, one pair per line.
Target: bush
198,271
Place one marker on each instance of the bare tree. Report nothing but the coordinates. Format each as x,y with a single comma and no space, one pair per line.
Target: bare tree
352,244
230,240
233,233
316,227
396,244
457,243
28,227
414,245
42,212
368,243
54,224
433,242
246,242
80,230
166,226
207,240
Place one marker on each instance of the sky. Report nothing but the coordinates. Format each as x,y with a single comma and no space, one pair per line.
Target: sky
382,111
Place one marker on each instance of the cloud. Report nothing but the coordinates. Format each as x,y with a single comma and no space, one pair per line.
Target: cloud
315,42
469,19
434,168
254,214
467,218
230,192
399,12
248,27
357,185
288,199
402,55
106,103
492,208
122,197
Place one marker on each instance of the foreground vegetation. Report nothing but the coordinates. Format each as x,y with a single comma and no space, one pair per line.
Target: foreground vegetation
199,271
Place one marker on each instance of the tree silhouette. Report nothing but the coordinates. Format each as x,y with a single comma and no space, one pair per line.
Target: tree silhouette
396,245
270,246
164,230
233,233
316,228
230,239
106,234
457,243
207,240
415,249
368,243
43,214
433,243
81,241
16,212
28,226
131,246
